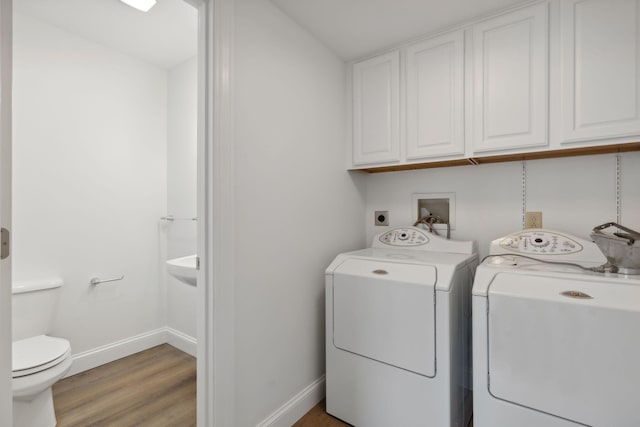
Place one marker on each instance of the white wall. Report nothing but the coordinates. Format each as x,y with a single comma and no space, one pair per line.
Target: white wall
574,195
296,205
182,104
89,181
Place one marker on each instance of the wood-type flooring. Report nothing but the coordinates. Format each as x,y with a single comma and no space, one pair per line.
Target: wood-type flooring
154,388
318,417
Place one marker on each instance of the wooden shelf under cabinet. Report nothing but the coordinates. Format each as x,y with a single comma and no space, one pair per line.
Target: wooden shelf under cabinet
472,161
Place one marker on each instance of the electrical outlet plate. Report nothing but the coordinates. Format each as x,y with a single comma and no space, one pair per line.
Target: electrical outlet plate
533,220
440,204
381,218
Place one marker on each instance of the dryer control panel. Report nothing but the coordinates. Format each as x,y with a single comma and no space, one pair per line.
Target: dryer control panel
404,237
540,242
417,239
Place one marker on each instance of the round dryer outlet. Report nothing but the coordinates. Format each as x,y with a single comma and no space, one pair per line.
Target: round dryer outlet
381,218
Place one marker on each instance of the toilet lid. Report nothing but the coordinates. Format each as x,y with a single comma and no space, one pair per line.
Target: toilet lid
35,354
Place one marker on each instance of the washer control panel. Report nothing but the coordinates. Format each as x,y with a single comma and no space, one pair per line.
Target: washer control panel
540,242
404,237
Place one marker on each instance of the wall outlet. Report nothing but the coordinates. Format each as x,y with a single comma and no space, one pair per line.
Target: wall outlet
381,218
533,220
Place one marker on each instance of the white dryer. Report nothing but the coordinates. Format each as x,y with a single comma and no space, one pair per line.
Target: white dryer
398,331
554,345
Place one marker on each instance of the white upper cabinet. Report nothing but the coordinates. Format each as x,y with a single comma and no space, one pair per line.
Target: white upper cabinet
435,97
376,110
510,66
556,74
600,56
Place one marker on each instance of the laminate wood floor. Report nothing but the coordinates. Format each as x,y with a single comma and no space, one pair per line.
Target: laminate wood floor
154,388
318,417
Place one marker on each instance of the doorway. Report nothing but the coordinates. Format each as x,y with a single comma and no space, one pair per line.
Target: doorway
107,296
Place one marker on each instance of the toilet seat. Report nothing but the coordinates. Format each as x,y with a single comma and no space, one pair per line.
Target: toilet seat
39,353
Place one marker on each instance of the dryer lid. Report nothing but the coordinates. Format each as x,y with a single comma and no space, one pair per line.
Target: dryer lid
34,354
385,311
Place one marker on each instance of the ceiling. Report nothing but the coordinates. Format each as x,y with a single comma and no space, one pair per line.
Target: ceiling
353,28
165,36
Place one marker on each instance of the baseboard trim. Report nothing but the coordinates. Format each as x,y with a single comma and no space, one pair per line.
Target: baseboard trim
182,341
300,404
117,350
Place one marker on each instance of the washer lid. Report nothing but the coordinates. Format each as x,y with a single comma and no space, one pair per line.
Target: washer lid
35,354
566,346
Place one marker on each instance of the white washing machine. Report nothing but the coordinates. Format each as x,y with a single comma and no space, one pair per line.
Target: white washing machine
398,324
554,345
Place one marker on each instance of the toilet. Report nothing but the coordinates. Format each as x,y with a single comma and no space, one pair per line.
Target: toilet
39,360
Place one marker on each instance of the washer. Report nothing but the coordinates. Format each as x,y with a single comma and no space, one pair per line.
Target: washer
398,331
554,345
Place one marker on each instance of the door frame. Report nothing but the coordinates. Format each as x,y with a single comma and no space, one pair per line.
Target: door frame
216,295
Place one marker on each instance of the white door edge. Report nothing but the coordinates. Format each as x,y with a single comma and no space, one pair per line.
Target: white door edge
6,397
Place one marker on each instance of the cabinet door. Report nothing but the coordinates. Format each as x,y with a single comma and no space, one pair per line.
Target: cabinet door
510,62
376,110
600,69
435,97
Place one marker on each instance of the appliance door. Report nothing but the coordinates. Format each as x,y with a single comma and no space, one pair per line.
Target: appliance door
385,311
566,346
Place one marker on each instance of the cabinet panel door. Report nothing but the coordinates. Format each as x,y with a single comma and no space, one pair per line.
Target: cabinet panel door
510,108
435,97
600,69
376,110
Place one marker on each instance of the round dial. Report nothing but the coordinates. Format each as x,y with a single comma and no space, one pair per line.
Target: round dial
539,242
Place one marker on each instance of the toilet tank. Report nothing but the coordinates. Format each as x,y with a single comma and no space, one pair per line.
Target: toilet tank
34,304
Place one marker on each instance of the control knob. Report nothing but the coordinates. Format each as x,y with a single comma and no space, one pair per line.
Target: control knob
539,242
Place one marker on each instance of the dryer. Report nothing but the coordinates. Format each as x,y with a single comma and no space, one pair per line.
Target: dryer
398,331
554,345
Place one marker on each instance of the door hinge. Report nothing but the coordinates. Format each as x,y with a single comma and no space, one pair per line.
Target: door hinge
5,243
197,263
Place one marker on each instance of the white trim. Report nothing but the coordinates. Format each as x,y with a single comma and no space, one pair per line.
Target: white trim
216,202
117,350
297,406
99,356
182,342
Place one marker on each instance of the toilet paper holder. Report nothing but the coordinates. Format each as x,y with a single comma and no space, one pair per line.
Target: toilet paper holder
97,280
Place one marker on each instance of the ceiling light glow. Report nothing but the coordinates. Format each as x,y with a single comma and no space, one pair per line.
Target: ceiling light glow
143,5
